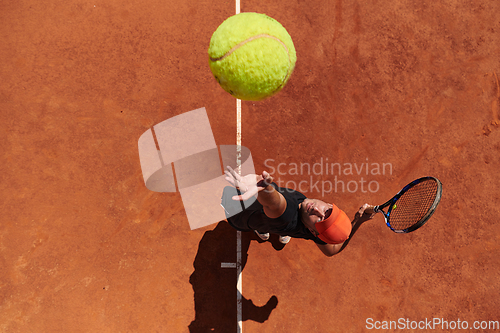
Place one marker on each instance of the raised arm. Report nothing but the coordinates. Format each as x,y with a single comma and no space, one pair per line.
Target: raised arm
273,202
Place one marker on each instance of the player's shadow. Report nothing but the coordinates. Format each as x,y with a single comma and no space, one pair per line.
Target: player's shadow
214,287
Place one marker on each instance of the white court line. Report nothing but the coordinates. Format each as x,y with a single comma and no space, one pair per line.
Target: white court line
238,233
227,265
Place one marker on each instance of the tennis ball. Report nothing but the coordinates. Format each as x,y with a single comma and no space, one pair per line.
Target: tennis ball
252,56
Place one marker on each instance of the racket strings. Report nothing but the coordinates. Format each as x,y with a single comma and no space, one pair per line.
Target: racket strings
413,205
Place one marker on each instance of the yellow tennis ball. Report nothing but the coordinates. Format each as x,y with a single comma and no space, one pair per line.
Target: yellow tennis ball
252,56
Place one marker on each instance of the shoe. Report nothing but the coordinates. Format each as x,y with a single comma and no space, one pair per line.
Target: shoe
264,237
285,239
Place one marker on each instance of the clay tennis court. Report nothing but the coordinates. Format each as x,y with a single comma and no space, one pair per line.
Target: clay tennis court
86,247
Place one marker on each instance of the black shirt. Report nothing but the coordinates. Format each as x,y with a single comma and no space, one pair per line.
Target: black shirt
254,218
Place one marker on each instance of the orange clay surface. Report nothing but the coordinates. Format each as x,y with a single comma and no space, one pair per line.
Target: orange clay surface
85,247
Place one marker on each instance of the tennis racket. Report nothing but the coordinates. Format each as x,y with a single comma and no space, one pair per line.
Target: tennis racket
413,205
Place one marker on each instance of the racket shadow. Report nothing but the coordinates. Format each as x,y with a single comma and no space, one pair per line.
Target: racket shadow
215,287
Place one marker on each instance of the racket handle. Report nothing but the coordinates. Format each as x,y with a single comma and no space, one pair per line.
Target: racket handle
375,209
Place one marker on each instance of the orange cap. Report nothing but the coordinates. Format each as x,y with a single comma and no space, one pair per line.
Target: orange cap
336,228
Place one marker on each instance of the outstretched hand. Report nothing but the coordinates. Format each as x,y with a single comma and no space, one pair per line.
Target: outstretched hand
249,185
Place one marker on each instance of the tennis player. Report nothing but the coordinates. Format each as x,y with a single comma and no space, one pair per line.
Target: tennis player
288,213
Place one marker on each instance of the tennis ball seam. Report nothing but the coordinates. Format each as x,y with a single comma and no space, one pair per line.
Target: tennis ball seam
234,48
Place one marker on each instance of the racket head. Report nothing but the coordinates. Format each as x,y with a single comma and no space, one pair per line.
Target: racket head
412,207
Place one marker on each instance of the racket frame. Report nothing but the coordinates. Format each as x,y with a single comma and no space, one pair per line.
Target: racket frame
390,203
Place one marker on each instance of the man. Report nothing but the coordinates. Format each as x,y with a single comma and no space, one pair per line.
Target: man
288,213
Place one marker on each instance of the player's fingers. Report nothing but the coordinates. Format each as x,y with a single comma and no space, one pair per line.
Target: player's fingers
367,209
228,174
239,185
230,180
230,171
268,179
241,197
234,173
